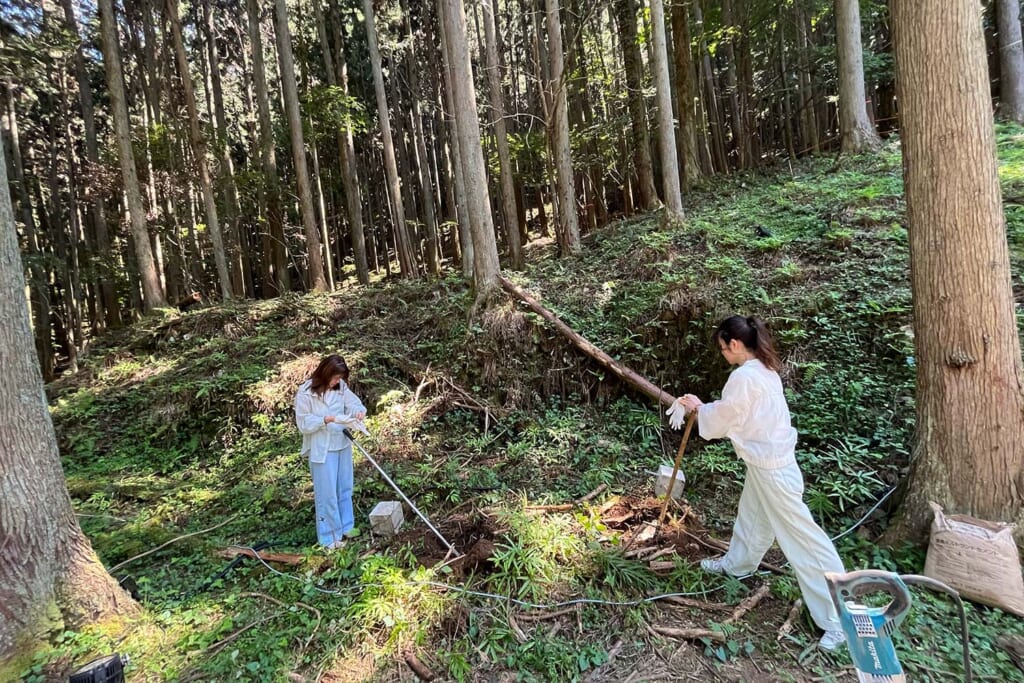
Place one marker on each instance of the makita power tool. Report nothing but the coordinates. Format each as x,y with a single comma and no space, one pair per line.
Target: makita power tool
869,630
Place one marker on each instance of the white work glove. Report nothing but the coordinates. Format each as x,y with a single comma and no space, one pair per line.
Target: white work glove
349,421
676,415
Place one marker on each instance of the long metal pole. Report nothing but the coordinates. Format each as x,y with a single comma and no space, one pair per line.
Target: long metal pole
399,492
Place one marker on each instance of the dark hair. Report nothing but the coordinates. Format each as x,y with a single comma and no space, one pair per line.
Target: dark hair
329,367
754,335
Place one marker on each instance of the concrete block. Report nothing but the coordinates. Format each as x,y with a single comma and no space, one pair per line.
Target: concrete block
663,480
387,518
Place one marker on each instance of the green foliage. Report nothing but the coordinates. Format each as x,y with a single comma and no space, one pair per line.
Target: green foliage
183,421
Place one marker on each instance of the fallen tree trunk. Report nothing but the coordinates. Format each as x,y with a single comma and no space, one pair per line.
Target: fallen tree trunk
625,374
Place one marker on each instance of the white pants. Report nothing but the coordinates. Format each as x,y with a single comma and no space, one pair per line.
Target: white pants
772,508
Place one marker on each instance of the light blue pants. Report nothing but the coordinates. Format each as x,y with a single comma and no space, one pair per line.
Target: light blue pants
332,495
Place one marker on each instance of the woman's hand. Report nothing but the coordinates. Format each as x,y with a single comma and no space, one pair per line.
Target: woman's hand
361,415
690,402
328,419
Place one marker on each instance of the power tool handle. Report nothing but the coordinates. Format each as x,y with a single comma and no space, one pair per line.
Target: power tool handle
867,581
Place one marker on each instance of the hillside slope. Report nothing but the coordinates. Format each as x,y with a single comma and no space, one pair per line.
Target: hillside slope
183,422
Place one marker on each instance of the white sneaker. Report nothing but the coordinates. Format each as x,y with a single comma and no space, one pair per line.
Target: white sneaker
337,545
712,565
831,640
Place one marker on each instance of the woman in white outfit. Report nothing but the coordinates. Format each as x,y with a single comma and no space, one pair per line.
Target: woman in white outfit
753,414
324,407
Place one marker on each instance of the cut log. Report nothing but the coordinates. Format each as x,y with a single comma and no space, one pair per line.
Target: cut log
625,374
283,558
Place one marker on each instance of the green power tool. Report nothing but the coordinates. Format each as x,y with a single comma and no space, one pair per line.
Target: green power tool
869,630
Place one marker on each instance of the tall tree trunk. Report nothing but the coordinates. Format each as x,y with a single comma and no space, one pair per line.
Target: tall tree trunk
152,292
403,157
666,126
38,292
1011,61
232,205
969,453
855,128
277,257
485,250
461,197
47,561
508,188
97,213
737,117
625,14
558,124
198,142
685,93
289,91
808,101
418,151
347,153
406,254
716,122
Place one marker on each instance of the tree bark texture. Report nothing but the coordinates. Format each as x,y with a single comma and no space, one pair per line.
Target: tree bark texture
199,153
1011,61
685,94
666,125
45,560
461,202
625,12
558,124
485,250
276,255
969,454
508,189
289,90
404,246
97,215
347,152
856,130
153,294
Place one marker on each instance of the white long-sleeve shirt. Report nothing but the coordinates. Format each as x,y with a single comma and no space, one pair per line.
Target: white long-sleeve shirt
310,410
753,414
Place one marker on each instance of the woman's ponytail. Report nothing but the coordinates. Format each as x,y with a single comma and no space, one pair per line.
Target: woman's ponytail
755,336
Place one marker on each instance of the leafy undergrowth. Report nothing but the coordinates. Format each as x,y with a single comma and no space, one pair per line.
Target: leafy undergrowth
182,423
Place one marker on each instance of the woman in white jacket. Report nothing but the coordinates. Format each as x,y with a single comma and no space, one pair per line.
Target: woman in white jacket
753,414
324,407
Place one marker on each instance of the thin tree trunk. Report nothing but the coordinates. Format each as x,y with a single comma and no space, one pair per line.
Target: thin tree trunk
198,142
277,257
808,117
233,207
856,130
666,126
1011,61
508,188
289,91
418,151
969,452
153,295
485,251
461,197
38,293
737,118
685,93
406,254
347,152
107,299
558,124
